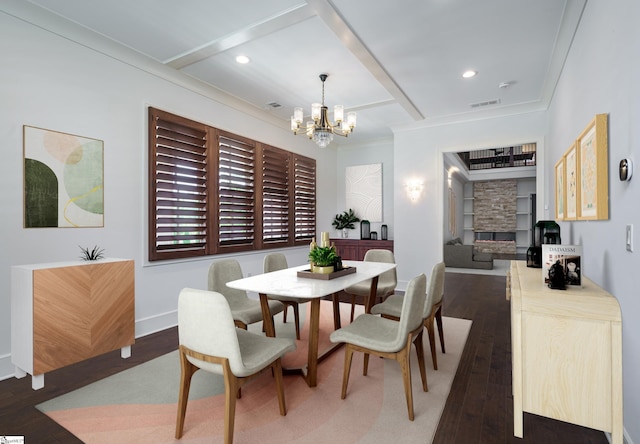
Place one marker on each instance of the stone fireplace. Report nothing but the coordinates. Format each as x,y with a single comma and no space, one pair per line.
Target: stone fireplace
494,216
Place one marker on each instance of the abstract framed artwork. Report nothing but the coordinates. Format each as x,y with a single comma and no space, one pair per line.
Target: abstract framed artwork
63,179
363,191
572,183
561,190
592,146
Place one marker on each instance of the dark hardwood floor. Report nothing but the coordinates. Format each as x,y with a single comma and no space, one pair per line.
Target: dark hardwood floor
479,408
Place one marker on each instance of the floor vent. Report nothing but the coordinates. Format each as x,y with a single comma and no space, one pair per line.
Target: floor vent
486,103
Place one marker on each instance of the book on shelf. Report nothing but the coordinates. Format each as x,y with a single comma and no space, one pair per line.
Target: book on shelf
569,257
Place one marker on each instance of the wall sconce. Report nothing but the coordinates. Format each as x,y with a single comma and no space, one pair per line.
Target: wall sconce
414,189
450,173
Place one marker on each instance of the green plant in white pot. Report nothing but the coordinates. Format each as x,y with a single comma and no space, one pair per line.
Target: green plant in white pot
323,259
345,221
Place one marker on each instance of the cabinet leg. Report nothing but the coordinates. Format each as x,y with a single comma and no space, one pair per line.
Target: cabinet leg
125,352
19,373
37,381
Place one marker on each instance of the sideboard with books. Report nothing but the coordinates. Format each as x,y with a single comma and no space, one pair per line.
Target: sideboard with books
566,352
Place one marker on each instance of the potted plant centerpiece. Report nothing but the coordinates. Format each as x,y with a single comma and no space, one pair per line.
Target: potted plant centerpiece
323,259
345,222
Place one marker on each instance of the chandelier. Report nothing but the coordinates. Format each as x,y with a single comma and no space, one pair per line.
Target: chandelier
320,128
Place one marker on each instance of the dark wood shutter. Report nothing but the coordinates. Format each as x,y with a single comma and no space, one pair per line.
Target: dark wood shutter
304,198
236,193
178,214
276,203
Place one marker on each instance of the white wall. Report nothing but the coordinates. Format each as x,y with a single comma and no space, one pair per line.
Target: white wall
419,153
600,76
51,82
380,151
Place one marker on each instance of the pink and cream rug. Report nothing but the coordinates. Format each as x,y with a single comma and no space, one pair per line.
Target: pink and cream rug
139,405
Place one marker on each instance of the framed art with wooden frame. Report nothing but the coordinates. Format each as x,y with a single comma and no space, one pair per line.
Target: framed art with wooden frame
572,183
561,190
592,146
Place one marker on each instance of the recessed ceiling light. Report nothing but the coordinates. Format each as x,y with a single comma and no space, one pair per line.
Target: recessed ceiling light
469,74
243,59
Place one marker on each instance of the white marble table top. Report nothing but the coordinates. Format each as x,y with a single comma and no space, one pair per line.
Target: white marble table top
287,283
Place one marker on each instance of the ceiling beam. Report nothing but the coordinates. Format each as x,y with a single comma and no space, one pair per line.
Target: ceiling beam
253,32
328,13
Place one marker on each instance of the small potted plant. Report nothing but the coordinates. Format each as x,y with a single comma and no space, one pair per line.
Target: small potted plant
323,259
345,222
94,254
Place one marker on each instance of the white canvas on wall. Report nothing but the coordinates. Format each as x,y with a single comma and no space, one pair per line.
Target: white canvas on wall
363,191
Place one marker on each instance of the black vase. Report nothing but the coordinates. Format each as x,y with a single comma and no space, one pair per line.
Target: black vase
365,229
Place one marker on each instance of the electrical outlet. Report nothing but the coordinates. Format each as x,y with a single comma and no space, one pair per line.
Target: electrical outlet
630,237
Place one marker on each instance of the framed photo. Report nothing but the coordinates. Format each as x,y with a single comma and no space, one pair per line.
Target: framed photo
561,190
592,146
572,183
63,180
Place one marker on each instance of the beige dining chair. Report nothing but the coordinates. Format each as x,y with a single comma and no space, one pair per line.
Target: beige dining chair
392,306
209,340
275,262
245,310
371,334
387,281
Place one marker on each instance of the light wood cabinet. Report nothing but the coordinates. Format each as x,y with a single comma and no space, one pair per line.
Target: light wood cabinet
63,313
566,352
355,249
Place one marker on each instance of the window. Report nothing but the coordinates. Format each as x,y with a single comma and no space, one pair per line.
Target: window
213,192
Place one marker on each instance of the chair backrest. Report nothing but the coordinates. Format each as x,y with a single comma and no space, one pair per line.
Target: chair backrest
223,271
390,277
205,325
274,262
412,309
436,287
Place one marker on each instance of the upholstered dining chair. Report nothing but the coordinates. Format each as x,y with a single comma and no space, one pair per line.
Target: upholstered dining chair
392,306
245,310
387,281
275,262
209,340
375,335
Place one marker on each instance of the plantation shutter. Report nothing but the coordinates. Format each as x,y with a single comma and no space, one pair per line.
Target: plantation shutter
178,215
304,198
275,196
236,193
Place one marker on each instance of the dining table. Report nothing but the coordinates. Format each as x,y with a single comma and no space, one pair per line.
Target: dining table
289,282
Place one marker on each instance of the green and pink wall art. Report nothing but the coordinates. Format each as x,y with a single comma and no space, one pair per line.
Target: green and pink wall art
63,180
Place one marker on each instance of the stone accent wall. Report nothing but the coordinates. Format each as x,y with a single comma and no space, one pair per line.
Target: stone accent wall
494,208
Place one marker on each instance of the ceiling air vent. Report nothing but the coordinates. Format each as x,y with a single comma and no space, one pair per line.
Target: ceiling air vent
485,103
273,105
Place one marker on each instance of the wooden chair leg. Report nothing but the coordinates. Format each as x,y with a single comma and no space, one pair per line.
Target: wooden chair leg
420,352
440,331
432,340
187,371
296,318
232,387
365,366
277,371
403,359
284,312
348,356
353,306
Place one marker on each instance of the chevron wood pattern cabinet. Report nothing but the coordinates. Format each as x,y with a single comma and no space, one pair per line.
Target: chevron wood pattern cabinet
63,313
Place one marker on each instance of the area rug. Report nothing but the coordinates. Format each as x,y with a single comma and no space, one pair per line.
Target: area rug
139,405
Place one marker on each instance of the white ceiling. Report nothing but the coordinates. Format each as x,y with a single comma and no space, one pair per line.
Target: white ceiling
397,64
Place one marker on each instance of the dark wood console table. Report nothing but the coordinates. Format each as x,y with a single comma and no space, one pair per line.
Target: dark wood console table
355,249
